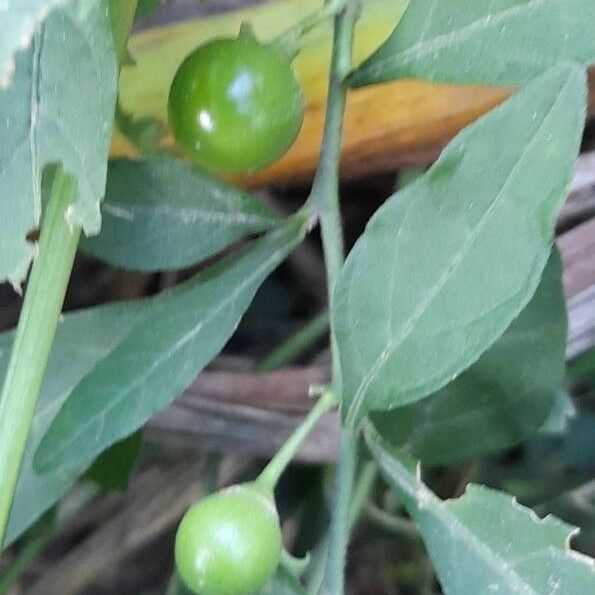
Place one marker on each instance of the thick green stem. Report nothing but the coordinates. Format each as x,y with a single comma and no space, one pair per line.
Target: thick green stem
296,344
271,473
34,336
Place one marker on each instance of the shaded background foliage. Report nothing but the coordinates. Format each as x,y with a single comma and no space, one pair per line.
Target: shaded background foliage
552,471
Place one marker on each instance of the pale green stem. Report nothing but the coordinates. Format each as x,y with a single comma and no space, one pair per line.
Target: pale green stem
34,336
325,199
333,582
296,344
391,522
272,472
41,309
361,492
290,40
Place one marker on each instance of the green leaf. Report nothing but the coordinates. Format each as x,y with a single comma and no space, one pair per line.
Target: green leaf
20,21
161,355
59,108
146,7
162,214
503,398
501,43
82,339
446,264
113,468
485,542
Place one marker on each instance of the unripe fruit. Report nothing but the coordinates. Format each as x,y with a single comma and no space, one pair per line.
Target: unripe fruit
230,542
235,104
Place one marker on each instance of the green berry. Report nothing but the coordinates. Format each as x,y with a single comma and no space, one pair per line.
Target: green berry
235,104
230,542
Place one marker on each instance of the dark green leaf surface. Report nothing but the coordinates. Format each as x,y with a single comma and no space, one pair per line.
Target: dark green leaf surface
501,43
162,214
161,355
113,468
445,265
503,398
82,339
59,108
485,542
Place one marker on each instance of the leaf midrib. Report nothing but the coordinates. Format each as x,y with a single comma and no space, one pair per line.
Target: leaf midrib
100,419
440,510
387,352
446,40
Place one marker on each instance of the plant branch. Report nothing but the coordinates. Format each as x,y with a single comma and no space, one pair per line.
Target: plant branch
360,494
42,306
34,336
392,523
296,343
271,473
325,200
290,40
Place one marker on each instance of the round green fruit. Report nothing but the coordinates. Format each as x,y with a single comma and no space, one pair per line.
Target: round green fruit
235,104
230,542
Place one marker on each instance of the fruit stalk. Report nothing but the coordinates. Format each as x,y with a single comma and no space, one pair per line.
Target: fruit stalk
271,473
296,344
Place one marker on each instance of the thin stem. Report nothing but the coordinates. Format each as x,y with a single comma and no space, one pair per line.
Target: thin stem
333,582
272,472
29,552
290,40
296,343
392,523
325,199
34,336
325,189
361,491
